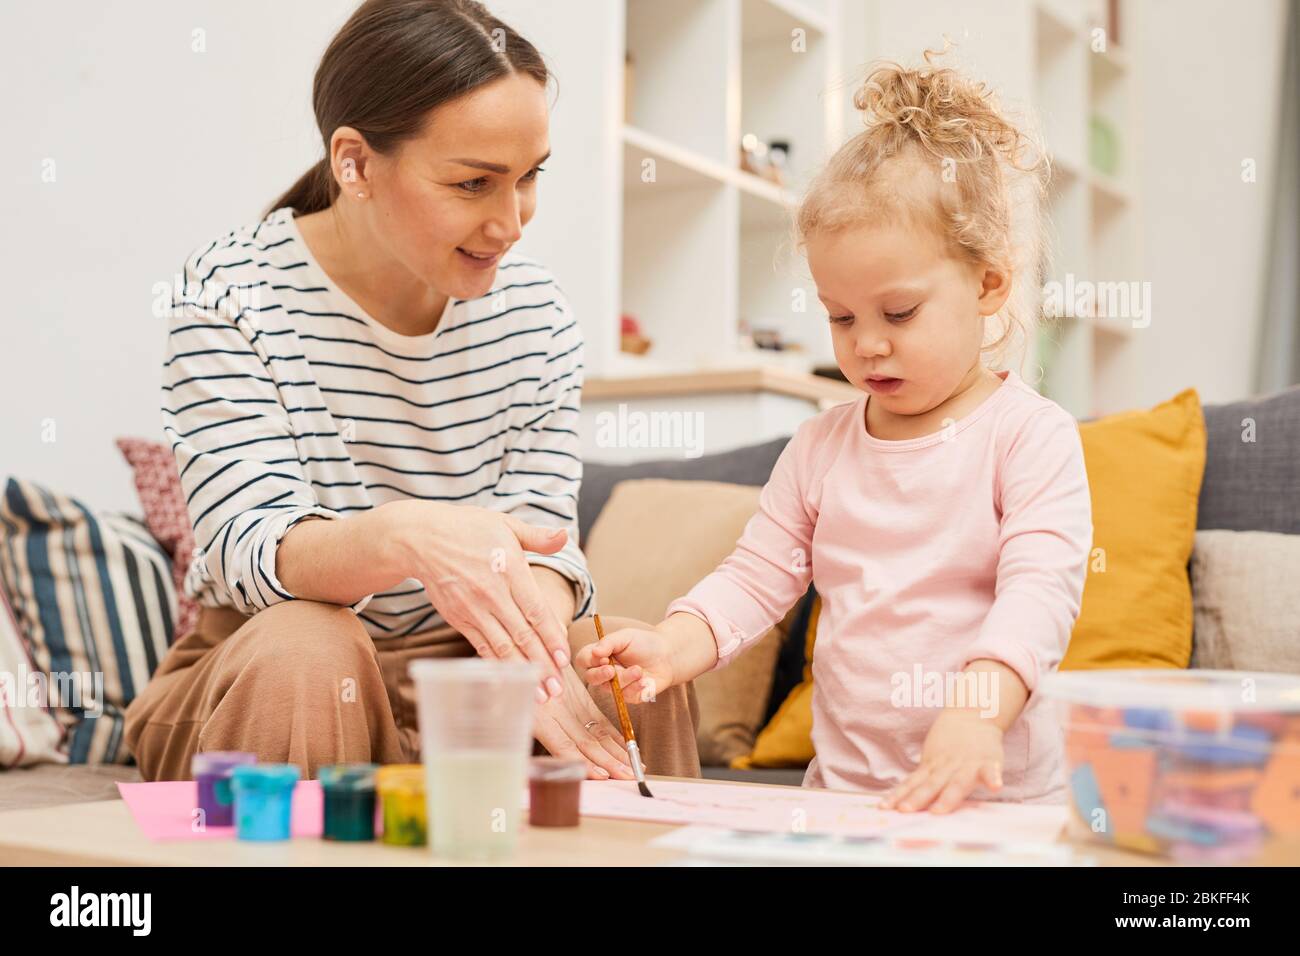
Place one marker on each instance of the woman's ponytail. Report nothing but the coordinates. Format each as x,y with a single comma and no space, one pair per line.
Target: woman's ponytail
315,190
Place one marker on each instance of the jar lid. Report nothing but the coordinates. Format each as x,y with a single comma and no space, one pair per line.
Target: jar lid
348,776
220,761
400,776
266,776
556,770
1193,690
473,670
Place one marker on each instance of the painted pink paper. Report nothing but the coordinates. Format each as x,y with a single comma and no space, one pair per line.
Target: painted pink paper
166,810
795,809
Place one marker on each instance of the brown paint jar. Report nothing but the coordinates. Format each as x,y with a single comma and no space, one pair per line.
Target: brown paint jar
554,788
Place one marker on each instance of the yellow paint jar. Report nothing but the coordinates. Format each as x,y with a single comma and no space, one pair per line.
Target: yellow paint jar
400,788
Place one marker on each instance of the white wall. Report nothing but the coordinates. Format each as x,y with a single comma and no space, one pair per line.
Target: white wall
1210,73
156,149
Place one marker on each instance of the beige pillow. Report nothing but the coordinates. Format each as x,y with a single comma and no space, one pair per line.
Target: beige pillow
1246,601
654,539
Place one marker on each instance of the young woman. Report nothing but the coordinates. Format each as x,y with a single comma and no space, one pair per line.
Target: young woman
373,404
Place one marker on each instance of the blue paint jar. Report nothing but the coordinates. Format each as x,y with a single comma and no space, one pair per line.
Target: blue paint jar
264,800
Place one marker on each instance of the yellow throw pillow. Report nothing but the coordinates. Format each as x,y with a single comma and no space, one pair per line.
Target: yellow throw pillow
1145,470
786,741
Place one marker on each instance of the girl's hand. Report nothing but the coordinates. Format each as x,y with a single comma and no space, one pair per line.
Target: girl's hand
644,666
962,751
573,727
472,565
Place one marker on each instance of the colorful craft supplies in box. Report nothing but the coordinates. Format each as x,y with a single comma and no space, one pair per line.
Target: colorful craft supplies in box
1196,765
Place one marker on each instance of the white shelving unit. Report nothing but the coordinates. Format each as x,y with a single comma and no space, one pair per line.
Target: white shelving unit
1089,364
660,222
704,244
646,210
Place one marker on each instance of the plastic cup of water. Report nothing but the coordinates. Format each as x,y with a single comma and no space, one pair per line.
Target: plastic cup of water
476,720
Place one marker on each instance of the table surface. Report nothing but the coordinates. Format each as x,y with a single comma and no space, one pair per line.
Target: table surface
104,833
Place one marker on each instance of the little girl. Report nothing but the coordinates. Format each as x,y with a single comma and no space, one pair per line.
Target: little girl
944,516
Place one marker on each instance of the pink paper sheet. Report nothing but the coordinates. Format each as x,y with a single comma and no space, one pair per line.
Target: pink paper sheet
789,809
166,810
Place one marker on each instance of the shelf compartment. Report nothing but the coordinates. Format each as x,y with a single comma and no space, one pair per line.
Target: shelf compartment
680,75
784,90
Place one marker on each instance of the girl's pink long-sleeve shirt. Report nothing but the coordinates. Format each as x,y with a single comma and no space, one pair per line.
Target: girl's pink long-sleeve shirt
928,553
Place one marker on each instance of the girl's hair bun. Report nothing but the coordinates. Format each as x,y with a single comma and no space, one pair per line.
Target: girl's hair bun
946,113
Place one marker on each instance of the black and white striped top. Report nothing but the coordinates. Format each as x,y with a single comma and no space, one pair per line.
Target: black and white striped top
282,399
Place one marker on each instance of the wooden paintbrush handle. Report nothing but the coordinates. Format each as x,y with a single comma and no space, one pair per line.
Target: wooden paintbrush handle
623,717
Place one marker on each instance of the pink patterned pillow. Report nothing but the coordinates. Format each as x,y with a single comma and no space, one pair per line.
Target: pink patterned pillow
159,486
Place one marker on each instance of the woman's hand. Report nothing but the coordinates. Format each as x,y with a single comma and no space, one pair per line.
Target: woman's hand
573,727
962,751
645,662
472,565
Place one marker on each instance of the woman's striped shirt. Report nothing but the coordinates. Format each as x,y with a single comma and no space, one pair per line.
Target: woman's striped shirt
283,399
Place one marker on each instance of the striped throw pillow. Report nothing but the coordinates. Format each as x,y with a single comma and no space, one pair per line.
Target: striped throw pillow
29,731
93,593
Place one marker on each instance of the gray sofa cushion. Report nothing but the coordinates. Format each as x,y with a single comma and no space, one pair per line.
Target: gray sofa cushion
1252,485
751,465
1246,597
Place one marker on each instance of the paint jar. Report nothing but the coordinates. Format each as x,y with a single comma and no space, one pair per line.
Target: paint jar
348,790
554,788
401,794
476,735
1196,765
264,800
211,772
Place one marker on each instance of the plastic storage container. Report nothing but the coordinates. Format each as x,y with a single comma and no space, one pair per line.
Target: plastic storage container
1201,766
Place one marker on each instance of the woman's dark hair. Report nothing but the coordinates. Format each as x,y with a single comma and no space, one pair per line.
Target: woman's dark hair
393,62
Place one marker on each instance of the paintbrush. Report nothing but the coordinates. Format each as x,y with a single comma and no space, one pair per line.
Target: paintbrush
633,750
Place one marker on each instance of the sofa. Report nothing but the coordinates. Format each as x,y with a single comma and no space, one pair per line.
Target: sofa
1248,503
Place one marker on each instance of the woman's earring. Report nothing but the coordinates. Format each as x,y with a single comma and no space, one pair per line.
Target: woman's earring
361,195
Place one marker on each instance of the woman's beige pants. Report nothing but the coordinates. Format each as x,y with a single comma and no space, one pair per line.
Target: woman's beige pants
304,683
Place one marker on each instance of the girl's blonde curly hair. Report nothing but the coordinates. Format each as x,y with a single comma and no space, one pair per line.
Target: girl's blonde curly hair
937,151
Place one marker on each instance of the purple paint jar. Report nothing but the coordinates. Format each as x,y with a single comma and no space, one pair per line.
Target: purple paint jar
211,772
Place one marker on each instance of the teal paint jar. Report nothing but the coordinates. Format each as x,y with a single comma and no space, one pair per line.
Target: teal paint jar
349,794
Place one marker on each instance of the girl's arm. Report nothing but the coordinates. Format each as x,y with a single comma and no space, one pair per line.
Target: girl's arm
1044,542
677,650
1046,534
735,605
764,576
